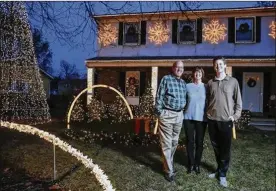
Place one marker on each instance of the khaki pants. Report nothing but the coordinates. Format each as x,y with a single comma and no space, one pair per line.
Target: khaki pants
170,123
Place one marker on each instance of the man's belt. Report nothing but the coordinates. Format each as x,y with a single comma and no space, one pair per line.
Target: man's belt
173,109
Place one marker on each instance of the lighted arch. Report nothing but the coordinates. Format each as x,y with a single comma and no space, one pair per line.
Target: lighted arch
90,88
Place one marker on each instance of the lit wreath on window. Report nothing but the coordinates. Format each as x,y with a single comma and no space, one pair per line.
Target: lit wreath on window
251,82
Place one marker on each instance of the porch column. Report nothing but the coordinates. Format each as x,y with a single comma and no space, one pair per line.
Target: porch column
90,83
154,80
229,70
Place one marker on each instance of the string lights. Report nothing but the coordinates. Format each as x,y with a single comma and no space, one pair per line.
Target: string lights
214,32
88,163
272,30
22,96
107,34
118,110
147,104
159,33
96,110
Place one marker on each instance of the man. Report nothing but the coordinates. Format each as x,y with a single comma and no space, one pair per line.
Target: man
224,107
170,102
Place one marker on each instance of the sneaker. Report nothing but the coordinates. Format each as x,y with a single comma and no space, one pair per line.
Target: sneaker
213,175
169,178
223,181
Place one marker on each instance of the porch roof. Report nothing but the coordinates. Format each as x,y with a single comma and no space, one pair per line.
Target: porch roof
164,61
105,58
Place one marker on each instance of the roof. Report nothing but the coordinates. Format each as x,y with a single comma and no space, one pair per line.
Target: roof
186,11
174,58
46,74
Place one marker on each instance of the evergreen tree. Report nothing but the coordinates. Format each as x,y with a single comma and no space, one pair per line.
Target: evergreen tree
22,96
78,111
96,110
118,110
147,103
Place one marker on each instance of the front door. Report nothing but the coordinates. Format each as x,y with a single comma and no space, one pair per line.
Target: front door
252,92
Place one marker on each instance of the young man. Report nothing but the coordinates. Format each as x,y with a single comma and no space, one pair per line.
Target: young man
170,102
224,107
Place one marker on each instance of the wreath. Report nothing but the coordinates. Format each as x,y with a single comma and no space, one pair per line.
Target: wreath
251,82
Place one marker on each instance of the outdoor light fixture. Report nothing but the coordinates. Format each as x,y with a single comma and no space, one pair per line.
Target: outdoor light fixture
214,32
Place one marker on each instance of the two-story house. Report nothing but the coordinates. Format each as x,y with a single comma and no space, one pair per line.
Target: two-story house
136,49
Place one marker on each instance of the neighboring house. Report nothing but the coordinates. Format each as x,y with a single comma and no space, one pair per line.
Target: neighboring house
144,50
46,78
73,86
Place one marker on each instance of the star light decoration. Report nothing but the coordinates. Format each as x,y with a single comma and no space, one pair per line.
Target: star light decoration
214,31
159,33
107,34
272,32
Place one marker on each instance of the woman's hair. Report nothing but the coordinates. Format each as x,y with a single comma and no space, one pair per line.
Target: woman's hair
198,69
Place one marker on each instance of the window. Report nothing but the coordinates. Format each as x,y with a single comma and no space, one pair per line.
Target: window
245,30
186,31
132,33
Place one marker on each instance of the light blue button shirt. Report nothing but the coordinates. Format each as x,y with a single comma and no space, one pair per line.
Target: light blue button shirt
196,96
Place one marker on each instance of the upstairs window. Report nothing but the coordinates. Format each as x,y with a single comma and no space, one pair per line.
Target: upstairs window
245,31
132,33
186,32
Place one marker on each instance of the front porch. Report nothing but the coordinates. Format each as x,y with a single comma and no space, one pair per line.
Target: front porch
150,70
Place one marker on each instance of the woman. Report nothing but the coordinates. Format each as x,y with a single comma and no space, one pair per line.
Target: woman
194,120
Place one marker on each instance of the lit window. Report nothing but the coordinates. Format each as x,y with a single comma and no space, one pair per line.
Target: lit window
132,33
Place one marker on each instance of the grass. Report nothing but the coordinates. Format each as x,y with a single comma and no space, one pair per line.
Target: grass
132,167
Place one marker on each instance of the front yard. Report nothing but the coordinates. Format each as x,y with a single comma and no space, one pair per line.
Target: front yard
26,162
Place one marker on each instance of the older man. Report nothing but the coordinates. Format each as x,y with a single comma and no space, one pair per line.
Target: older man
170,102
224,107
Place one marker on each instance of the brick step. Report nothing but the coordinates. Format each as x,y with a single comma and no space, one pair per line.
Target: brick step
254,119
262,123
266,128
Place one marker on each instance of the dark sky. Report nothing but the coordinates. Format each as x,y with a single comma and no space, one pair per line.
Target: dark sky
77,55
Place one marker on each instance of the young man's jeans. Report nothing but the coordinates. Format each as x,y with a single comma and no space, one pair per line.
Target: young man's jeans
221,135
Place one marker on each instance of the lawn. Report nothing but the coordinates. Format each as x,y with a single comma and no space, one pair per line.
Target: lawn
26,162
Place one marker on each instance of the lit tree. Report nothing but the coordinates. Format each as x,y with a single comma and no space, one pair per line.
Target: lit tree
78,111
96,110
22,96
118,110
147,103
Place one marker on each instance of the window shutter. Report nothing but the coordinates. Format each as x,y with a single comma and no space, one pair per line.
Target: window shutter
258,29
174,31
199,30
121,33
122,79
143,32
142,83
231,30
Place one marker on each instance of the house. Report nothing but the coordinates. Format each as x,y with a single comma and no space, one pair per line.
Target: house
72,86
136,49
46,78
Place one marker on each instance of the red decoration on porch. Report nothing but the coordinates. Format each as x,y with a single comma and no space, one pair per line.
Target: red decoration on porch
137,126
